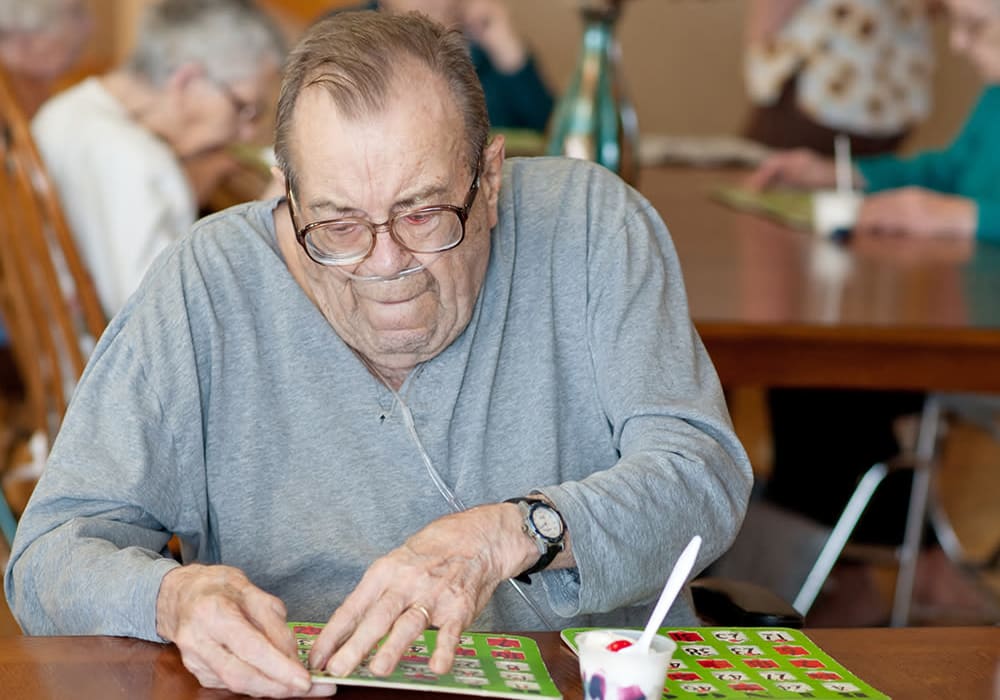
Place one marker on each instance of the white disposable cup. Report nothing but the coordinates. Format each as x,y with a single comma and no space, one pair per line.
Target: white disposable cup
835,210
624,674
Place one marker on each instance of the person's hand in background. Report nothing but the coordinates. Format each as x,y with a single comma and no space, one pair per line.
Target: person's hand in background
489,24
917,211
796,168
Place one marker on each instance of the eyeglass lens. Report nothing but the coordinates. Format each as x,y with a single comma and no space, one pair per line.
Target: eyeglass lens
421,231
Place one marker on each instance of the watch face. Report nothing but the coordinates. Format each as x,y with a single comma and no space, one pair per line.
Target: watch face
547,522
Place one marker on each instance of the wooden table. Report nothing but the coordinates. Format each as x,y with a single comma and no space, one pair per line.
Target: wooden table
908,664
779,307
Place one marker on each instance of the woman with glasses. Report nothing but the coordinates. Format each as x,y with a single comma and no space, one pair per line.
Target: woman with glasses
135,151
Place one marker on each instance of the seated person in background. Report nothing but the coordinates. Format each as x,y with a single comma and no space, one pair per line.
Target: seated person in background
816,68
951,192
825,439
328,399
516,96
40,40
132,152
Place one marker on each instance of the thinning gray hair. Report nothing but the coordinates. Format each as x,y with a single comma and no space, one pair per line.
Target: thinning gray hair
21,16
355,56
230,39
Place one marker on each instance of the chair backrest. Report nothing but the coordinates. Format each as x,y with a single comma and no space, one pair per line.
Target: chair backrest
47,299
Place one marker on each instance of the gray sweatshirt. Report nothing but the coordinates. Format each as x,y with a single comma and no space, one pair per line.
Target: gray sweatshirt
220,405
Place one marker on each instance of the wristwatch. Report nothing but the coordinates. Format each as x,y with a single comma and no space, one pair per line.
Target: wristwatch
545,525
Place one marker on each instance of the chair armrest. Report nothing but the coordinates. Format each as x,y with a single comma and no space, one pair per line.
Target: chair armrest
730,603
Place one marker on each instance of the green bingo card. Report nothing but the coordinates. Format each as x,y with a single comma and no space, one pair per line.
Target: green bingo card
486,663
790,207
751,662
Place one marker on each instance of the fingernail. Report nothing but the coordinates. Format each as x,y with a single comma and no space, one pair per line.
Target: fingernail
379,667
334,669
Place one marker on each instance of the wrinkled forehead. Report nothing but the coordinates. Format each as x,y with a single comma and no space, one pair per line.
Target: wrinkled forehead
417,127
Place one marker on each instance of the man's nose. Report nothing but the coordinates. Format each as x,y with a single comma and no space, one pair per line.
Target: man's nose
388,256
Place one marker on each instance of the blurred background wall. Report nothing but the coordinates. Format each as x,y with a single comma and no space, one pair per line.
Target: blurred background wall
682,58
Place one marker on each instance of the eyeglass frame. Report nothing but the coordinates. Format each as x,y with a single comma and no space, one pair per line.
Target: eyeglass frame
462,212
245,111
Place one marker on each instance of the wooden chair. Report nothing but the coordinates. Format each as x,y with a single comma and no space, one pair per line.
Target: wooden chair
47,299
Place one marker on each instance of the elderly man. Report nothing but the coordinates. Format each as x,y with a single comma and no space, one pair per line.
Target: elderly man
330,399
135,151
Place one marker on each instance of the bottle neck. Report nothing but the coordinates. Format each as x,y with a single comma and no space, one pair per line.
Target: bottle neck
606,16
598,34
607,10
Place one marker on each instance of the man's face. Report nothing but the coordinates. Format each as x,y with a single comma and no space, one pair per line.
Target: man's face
413,154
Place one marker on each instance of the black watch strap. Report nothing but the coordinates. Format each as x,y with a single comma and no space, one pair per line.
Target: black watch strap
548,548
543,561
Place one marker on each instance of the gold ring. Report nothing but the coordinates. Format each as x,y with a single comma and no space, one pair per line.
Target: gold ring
423,611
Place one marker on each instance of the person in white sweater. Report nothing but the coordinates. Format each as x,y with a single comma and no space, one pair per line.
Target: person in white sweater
128,150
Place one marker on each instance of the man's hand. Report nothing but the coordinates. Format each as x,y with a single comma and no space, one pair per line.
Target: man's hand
231,634
796,168
442,576
488,23
918,212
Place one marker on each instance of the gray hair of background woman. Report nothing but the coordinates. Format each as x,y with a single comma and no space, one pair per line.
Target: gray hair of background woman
354,57
17,16
230,39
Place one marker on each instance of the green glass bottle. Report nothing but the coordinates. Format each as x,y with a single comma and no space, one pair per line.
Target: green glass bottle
594,119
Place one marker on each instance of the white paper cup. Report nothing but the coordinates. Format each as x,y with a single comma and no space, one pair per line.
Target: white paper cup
835,211
624,674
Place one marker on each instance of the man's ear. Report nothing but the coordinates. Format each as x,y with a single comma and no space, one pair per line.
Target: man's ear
492,175
276,187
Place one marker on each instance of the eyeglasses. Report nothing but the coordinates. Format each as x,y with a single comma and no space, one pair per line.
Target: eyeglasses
245,111
349,241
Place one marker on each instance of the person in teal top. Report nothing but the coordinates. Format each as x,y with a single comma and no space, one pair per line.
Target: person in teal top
954,191
824,439
516,95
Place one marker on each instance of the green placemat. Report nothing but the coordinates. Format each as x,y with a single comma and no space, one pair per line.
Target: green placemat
790,207
751,662
489,664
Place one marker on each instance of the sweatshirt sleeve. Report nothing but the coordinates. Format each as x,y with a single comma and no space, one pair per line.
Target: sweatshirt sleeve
966,168
988,225
91,549
934,170
681,469
938,169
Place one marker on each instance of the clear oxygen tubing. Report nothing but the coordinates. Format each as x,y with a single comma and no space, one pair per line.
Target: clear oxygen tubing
406,272
454,502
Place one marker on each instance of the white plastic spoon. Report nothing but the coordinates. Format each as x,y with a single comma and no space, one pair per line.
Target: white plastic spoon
675,581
